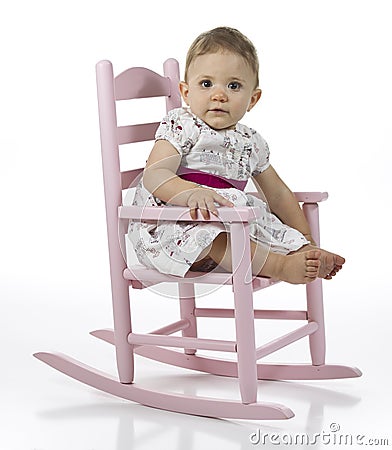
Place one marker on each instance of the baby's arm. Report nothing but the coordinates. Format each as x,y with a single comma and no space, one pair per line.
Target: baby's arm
160,179
282,201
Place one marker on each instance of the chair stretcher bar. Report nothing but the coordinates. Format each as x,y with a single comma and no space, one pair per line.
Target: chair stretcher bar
285,340
259,314
182,342
173,327
159,338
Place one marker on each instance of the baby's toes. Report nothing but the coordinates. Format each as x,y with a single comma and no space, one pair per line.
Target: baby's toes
313,263
312,271
312,267
313,255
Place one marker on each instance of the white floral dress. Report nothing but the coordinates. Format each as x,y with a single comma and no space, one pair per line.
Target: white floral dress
172,247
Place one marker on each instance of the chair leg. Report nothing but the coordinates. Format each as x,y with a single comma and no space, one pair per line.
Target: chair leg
122,328
314,295
244,314
186,293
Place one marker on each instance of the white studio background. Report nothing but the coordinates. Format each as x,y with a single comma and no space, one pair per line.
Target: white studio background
326,78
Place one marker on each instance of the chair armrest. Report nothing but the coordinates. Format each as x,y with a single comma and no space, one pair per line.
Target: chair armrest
311,197
178,213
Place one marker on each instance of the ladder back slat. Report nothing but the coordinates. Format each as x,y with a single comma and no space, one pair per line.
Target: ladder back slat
137,133
139,82
130,178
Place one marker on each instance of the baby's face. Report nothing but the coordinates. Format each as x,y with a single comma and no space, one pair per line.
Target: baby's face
220,89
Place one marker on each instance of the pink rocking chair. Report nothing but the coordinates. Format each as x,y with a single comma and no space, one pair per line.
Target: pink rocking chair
158,345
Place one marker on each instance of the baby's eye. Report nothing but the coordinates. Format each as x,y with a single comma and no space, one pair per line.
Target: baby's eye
206,83
234,85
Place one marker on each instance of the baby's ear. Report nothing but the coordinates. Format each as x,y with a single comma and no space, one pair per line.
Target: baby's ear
184,90
254,98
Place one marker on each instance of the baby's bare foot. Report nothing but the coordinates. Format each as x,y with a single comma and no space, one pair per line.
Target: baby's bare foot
330,264
299,268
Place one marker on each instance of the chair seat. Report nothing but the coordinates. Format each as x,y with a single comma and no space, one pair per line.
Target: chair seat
138,273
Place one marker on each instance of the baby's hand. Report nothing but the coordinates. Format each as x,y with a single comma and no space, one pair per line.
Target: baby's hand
204,199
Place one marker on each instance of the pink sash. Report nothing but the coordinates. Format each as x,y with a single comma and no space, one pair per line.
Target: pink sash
208,179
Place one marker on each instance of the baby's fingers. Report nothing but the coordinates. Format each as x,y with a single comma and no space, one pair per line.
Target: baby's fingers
210,205
194,206
205,200
193,211
204,209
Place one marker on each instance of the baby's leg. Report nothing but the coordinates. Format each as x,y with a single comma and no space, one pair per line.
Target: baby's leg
298,268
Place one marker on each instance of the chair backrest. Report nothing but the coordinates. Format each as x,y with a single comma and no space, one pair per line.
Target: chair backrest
133,83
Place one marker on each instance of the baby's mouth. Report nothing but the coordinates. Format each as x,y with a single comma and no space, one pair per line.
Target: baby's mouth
218,111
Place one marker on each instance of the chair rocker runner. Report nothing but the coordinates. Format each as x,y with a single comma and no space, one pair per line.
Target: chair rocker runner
158,345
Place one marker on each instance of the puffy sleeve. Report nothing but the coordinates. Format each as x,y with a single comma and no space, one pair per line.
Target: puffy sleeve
178,128
262,153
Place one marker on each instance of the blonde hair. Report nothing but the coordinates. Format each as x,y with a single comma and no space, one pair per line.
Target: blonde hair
224,38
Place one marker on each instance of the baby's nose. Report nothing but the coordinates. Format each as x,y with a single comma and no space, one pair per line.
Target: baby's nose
219,94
